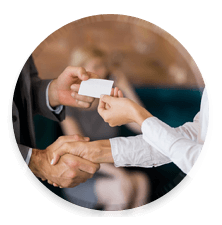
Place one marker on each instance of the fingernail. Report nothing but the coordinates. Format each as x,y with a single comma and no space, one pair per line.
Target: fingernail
74,86
85,76
52,162
73,94
101,96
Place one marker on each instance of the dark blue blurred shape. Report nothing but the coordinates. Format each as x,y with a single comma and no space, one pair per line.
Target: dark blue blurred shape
173,106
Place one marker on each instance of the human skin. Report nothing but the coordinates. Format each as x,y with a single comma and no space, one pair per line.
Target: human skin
69,172
64,89
114,110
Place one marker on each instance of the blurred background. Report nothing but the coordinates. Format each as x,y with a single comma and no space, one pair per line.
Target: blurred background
160,71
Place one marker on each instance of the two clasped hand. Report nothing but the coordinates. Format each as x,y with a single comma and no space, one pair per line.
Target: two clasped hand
70,170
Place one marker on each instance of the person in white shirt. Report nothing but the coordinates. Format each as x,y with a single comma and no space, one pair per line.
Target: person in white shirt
159,143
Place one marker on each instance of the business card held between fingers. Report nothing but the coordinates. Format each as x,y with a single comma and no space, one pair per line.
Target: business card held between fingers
95,87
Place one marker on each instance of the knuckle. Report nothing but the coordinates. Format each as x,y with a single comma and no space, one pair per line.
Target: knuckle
94,169
68,68
91,100
76,137
74,164
87,105
73,174
65,145
60,139
81,70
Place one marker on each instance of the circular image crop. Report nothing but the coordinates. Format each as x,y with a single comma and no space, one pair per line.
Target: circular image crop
110,112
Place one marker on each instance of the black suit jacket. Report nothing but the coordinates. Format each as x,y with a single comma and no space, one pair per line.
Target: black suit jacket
29,99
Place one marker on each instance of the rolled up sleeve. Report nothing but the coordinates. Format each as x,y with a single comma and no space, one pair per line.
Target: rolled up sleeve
135,151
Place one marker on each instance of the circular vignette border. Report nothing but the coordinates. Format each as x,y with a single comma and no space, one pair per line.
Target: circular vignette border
157,204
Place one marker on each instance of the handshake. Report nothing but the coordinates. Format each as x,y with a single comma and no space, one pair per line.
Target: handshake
71,160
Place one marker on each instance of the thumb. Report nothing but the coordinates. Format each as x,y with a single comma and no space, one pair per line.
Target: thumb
106,99
56,156
101,106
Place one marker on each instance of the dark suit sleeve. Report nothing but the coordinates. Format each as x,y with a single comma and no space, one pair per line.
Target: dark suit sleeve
38,91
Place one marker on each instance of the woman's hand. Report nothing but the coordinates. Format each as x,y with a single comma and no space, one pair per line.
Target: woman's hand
117,110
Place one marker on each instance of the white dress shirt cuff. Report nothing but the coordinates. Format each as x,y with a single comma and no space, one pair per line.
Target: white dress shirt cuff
28,157
58,109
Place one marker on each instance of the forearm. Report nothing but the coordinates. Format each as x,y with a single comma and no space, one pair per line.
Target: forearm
99,152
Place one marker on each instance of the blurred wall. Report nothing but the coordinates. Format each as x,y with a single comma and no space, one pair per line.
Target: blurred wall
144,52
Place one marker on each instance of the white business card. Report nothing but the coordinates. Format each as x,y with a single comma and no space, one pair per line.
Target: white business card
95,87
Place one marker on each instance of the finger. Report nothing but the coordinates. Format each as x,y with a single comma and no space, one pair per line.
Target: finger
62,140
101,105
116,92
75,87
57,154
50,182
92,75
106,99
107,106
112,92
86,139
79,72
55,185
88,168
82,97
83,104
120,94
78,137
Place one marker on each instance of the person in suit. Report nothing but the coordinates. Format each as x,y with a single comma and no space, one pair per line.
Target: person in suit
48,98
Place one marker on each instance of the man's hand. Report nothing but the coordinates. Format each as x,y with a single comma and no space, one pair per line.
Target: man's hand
64,89
69,172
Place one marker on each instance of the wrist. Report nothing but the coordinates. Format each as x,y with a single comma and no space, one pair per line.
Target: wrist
52,94
37,162
141,114
100,151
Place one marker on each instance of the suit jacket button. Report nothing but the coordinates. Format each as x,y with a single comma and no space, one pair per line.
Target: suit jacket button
14,118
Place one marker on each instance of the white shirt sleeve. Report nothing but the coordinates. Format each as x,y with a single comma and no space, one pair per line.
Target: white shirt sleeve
190,129
135,151
58,109
186,146
28,157
178,144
